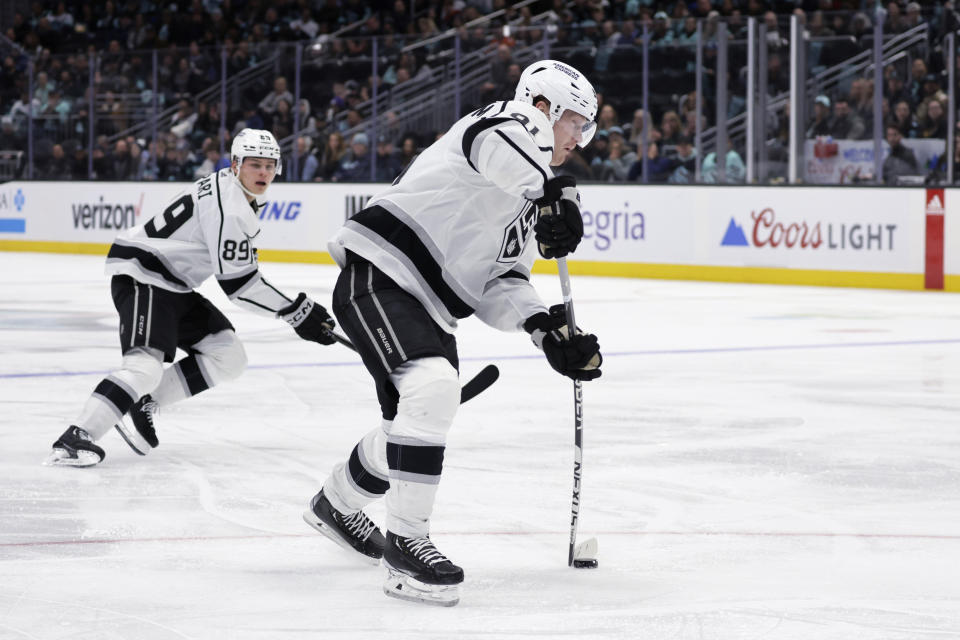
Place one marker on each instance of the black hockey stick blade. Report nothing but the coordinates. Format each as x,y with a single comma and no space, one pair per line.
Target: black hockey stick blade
479,383
474,386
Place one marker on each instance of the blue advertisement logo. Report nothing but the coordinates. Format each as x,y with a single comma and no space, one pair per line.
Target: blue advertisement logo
19,200
734,237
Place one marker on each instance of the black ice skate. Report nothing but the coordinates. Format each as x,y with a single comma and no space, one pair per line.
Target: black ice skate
142,435
418,572
355,531
74,449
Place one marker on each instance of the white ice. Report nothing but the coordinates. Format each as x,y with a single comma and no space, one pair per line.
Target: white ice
760,462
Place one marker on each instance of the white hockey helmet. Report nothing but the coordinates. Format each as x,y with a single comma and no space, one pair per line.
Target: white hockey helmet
255,143
565,88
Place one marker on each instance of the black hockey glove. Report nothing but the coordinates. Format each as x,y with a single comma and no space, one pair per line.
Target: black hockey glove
309,319
559,231
578,358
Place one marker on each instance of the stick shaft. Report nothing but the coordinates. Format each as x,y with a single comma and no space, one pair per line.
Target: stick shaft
577,414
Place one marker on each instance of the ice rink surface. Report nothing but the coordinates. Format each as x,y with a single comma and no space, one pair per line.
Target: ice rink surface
760,462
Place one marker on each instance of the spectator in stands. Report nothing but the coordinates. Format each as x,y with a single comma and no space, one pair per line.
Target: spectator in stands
688,33
387,161
931,92
211,153
119,165
904,120
269,103
607,117
670,128
634,130
934,123
661,34
56,167
683,163
918,72
861,28
820,124
305,27
778,80
355,164
596,153
251,120
619,160
139,160
498,83
308,123
846,125
658,166
183,120
861,101
913,17
10,137
818,26
333,152
901,161
775,41
894,22
735,170
893,87
307,159
409,149
282,121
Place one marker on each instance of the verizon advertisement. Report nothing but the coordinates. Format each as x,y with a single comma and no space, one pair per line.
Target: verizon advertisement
295,218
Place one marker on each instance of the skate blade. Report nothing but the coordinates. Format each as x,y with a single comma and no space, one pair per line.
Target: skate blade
311,519
61,458
403,587
133,438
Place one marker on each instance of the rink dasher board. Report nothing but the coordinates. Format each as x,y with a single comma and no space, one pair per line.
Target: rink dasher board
849,236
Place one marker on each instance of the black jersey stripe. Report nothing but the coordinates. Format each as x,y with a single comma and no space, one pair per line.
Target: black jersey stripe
147,260
470,135
256,304
220,236
405,240
230,286
525,156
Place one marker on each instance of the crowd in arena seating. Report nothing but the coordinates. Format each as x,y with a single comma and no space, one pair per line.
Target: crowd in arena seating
69,41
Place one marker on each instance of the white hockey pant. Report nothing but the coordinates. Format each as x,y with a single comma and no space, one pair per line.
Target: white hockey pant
139,373
219,357
403,457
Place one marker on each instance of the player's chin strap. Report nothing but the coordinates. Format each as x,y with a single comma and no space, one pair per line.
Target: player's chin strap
236,179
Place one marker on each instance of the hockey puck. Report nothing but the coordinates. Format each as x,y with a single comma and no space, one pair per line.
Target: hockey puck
585,564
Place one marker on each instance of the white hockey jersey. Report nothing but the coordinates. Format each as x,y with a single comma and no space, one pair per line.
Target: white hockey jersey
455,229
206,230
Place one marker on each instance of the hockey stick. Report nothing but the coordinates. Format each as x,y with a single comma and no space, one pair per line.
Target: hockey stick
474,386
582,556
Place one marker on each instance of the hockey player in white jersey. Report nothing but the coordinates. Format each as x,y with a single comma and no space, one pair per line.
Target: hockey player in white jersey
453,236
208,229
